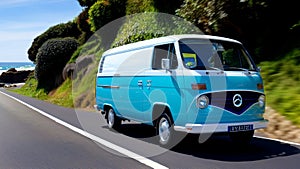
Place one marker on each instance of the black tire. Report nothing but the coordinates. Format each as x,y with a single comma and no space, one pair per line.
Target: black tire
242,138
113,121
167,136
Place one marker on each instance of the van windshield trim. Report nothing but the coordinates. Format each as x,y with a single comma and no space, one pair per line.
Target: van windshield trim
215,55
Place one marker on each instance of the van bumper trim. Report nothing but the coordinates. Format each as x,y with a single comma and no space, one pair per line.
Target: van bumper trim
217,128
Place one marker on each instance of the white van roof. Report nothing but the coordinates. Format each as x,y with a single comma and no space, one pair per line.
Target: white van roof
198,36
163,40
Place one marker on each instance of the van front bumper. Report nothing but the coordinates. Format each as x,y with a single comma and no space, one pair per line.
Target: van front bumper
219,127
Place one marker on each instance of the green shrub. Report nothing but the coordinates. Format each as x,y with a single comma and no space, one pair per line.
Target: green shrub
105,11
138,6
148,25
51,59
84,26
69,29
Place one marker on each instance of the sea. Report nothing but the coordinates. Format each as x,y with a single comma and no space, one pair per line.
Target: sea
4,66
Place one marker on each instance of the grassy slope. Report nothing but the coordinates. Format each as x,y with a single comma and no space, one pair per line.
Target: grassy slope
282,85
30,89
84,88
61,96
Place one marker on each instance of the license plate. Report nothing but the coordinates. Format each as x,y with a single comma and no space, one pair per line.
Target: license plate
238,128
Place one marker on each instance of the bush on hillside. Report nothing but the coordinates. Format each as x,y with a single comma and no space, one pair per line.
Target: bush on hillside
69,29
105,11
84,26
167,6
144,26
138,6
51,59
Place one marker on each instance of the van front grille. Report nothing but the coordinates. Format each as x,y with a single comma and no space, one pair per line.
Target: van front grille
225,100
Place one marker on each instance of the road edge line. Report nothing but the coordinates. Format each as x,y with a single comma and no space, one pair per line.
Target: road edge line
105,143
279,140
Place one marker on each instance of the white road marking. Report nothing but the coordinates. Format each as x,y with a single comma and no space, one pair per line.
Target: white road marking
282,141
105,143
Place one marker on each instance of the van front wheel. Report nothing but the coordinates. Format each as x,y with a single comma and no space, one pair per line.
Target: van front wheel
165,130
113,121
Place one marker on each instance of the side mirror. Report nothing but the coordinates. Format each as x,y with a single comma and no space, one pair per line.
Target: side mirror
259,69
165,64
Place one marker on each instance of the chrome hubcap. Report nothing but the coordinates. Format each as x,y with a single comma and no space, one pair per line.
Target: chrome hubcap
164,130
111,118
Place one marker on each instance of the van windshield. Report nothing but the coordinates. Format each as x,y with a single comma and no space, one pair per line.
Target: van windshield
201,54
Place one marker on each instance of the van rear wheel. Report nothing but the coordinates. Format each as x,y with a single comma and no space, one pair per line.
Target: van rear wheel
113,121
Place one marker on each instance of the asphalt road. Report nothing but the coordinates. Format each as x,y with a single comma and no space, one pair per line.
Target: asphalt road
30,140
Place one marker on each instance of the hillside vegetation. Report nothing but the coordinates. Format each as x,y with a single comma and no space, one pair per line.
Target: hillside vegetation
282,85
271,37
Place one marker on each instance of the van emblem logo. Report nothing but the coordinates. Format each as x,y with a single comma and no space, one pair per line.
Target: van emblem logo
237,100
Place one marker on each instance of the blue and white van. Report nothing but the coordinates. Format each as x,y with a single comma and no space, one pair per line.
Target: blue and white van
182,83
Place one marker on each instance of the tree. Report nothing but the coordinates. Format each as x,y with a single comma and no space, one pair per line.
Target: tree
51,59
206,14
69,29
259,24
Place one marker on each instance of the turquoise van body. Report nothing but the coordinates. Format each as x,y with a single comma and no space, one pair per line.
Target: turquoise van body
191,83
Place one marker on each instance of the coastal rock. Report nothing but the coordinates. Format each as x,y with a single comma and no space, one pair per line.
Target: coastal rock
12,70
82,64
14,76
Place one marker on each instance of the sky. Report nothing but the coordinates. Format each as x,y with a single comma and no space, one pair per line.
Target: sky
23,20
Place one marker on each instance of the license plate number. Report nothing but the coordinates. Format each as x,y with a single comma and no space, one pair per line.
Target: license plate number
238,128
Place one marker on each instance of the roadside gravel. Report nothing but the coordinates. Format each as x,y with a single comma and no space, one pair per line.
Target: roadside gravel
279,127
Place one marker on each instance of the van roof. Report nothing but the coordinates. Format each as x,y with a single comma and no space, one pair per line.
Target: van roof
198,36
163,40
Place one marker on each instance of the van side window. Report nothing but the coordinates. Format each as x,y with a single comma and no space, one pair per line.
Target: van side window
164,52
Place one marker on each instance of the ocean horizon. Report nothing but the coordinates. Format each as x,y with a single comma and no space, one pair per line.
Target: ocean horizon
4,66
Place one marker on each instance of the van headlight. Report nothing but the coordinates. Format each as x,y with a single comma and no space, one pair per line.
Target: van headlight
261,101
202,101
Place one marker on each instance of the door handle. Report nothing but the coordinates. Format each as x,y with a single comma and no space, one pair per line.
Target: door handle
149,83
140,83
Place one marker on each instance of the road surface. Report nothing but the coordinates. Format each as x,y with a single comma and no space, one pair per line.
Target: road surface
30,140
